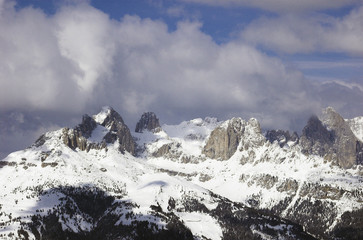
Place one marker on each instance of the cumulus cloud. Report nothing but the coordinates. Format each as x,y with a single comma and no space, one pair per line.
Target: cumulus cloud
306,34
185,72
79,59
280,5
33,72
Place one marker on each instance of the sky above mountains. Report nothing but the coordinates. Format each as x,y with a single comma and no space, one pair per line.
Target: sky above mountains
278,61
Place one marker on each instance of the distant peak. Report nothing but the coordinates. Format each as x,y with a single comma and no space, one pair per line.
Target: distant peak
102,115
148,121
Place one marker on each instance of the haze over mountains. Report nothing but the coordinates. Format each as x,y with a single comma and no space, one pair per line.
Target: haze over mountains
200,179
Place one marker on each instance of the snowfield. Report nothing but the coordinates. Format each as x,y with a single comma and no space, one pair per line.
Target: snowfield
155,187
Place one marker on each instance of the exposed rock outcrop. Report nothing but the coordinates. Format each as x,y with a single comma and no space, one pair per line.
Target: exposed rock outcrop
315,138
77,137
347,146
225,139
282,137
148,121
117,131
332,139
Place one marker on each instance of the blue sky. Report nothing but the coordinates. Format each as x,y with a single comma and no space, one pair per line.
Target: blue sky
276,60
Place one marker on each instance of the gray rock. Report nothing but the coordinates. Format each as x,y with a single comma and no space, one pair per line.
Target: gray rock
332,139
281,136
315,138
346,145
223,142
118,132
225,139
169,150
148,121
77,137
87,126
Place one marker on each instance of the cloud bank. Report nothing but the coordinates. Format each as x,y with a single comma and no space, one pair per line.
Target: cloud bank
280,6
306,34
77,60
80,58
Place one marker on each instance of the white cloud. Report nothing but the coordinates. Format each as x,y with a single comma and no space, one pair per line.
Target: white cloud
85,36
79,59
306,34
186,72
351,64
33,73
175,11
280,5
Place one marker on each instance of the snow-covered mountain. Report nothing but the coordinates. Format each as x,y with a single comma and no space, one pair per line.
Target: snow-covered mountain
201,179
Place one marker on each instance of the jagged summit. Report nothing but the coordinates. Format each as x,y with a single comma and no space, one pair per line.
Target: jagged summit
107,127
108,115
149,122
282,137
347,146
332,138
225,139
78,183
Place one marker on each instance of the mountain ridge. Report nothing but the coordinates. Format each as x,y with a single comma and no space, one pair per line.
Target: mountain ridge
161,183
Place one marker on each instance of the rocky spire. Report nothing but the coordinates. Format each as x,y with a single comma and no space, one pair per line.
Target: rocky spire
108,118
346,144
148,121
315,138
332,139
225,139
118,131
281,136
77,137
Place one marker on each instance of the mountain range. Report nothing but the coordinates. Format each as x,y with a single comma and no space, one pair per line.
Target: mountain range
200,179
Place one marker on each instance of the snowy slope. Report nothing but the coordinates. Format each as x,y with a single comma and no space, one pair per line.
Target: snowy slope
57,192
356,124
263,176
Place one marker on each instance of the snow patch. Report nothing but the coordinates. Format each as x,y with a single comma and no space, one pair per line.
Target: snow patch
101,116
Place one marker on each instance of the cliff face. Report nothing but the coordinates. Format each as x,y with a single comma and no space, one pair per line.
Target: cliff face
225,139
118,131
315,138
346,145
114,130
149,122
77,137
331,138
282,137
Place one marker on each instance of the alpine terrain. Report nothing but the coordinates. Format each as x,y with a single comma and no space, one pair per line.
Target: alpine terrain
201,179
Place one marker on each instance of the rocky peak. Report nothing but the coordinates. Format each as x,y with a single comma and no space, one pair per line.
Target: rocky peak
347,146
281,136
148,121
118,131
332,139
108,118
87,126
225,139
315,138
